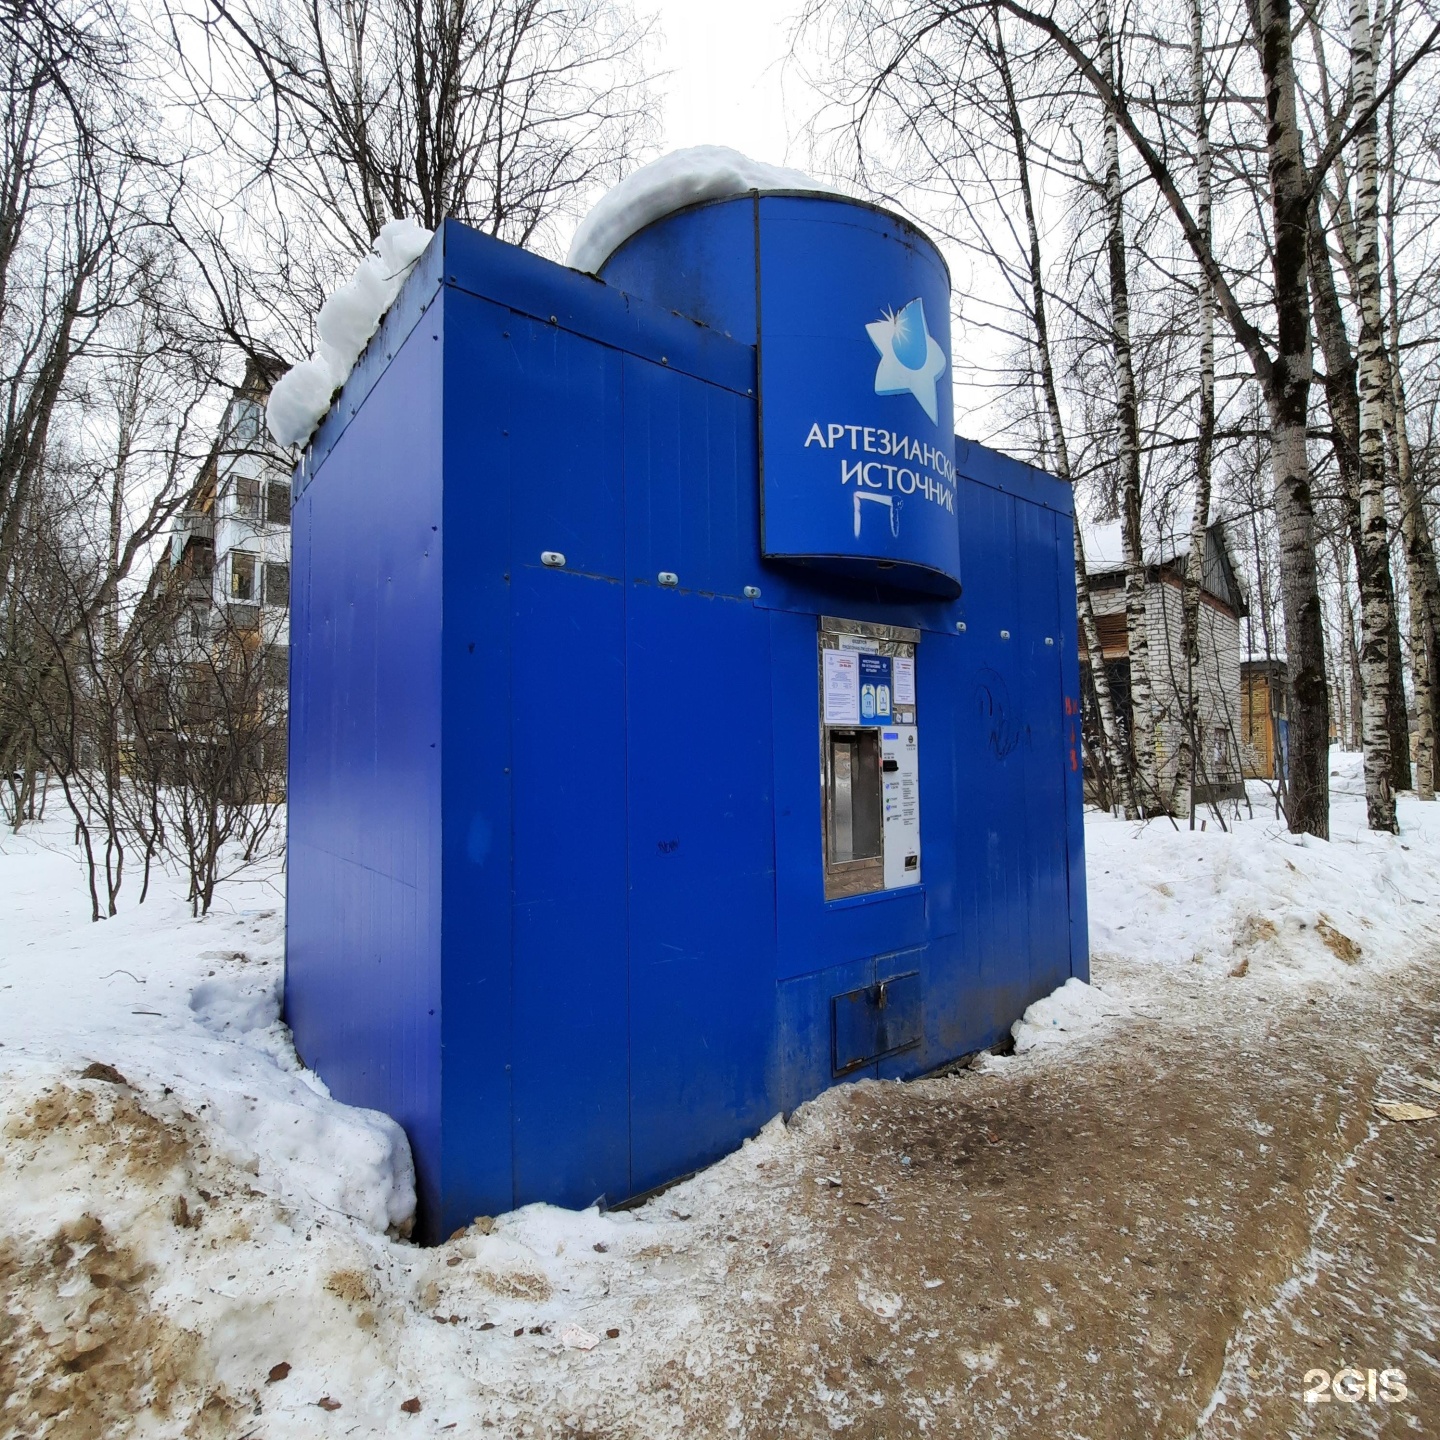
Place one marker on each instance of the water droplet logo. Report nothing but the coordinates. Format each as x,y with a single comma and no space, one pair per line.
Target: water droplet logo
911,360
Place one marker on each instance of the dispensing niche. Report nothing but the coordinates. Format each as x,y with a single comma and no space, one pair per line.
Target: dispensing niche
870,757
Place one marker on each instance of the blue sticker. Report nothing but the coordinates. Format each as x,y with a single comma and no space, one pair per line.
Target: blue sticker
876,690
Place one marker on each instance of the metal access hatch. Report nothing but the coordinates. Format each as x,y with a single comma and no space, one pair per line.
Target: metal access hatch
876,1020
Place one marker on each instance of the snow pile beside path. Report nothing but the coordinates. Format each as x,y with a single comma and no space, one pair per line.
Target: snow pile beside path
189,1011
197,1240
1255,899
345,324
1073,1010
684,177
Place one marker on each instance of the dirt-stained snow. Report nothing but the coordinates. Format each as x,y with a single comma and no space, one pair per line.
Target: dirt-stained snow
1175,1198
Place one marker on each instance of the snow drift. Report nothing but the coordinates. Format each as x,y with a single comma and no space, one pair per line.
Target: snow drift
684,177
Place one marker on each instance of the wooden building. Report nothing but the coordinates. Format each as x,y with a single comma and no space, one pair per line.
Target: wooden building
1218,772
1264,717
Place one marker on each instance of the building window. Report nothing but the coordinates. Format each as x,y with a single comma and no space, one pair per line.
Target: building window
277,503
277,666
1220,754
242,575
277,583
247,496
245,429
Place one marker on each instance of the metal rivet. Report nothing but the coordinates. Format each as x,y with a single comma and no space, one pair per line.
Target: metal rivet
552,557
752,592
664,359
668,577
960,625
1004,634
1049,639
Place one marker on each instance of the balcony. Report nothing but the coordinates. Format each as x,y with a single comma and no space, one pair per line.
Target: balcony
243,619
196,525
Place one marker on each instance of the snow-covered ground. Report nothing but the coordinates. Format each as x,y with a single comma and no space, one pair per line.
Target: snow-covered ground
1259,899
197,1240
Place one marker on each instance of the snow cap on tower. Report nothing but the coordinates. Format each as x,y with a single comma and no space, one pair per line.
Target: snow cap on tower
681,178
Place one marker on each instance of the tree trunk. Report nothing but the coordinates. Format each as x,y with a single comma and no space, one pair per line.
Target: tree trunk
1424,635
1114,755
1397,719
1424,585
1342,396
1127,421
1421,574
1184,789
1287,401
1375,594
1354,704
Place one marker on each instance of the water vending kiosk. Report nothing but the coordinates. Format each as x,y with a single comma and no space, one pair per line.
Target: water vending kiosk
683,720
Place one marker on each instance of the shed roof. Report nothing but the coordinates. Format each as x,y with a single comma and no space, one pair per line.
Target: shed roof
1105,556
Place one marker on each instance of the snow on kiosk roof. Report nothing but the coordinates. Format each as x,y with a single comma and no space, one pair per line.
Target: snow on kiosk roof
674,182
650,769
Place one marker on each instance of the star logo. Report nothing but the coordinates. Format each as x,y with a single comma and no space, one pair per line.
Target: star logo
911,360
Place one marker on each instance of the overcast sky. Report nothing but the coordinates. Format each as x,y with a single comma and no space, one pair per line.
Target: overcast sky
726,85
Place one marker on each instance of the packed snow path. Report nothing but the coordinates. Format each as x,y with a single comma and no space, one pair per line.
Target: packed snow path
1176,1200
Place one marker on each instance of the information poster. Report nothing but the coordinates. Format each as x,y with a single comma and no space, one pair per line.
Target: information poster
876,689
904,682
842,687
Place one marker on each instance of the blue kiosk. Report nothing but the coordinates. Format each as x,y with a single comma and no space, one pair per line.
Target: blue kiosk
682,719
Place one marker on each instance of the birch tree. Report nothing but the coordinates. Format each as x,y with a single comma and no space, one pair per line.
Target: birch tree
1137,631
1116,761
1205,433
1373,383
1421,571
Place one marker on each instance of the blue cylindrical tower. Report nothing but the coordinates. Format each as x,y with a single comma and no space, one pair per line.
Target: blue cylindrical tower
848,307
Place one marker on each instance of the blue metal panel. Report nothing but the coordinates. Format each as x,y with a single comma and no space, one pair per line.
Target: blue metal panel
702,933
698,262
571,1075
1041,704
478,715
567,490
1011,477
550,293
857,443
691,503
992,826
363,974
